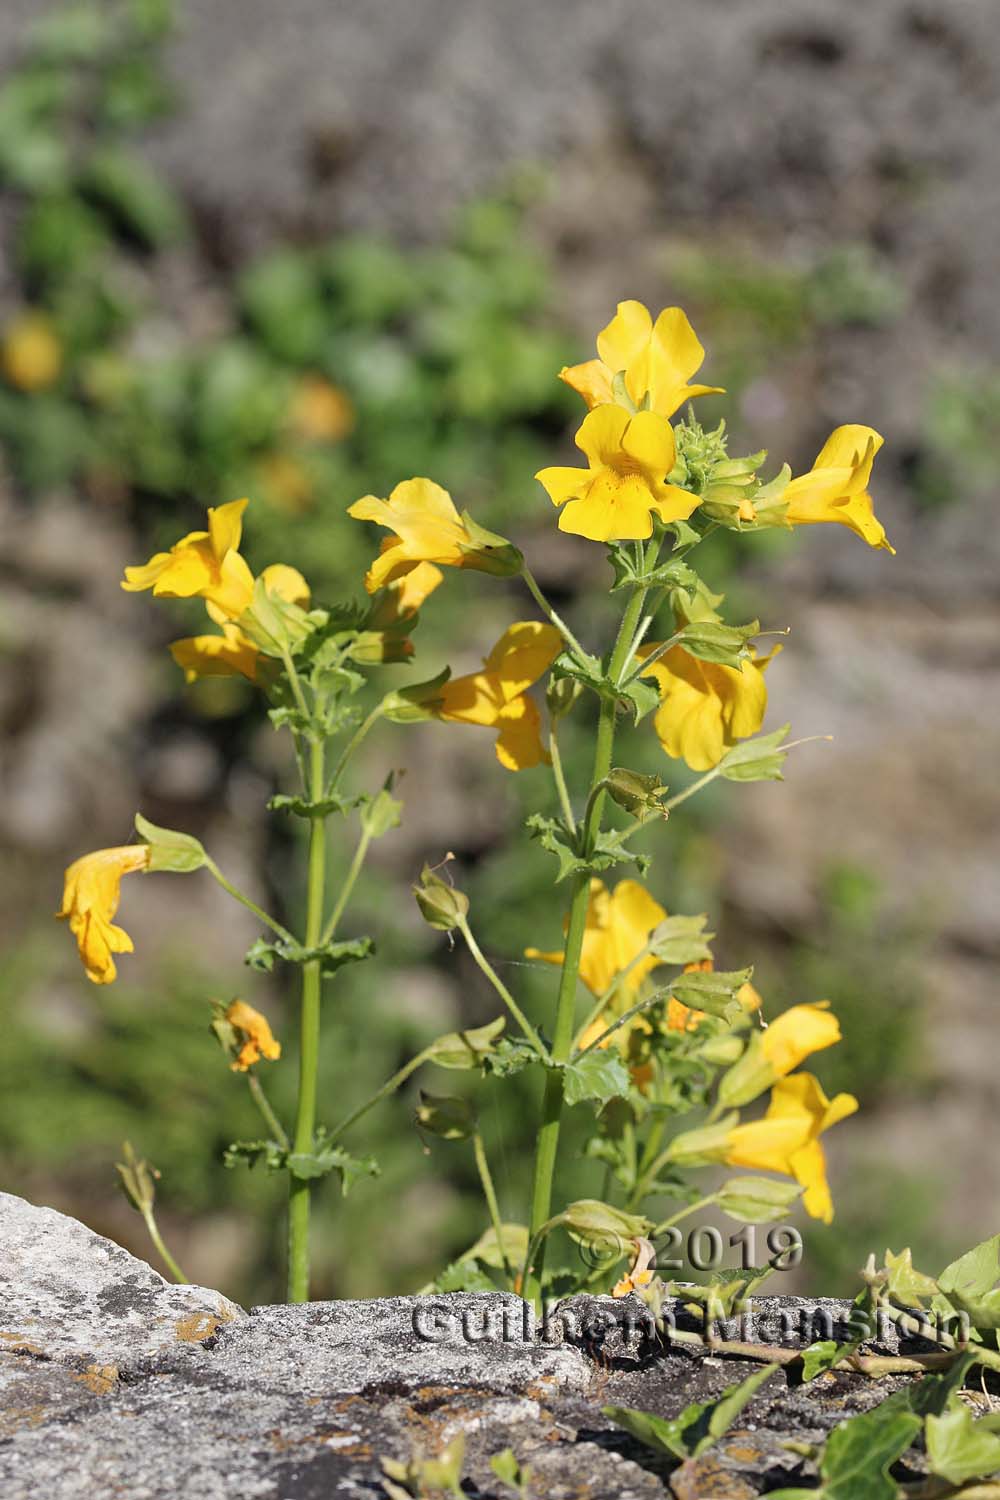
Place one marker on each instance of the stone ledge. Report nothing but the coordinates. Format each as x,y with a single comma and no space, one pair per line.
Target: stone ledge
114,1382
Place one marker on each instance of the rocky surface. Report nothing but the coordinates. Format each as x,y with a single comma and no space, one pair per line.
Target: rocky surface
112,1382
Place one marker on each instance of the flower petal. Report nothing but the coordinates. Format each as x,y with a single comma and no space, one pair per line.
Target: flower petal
614,508
225,526
649,439
522,654
600,434
592,380
562,484
625,337
519,743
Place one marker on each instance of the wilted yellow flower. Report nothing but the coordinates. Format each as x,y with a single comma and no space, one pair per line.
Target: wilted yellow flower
428,529
497,698
706,706
258,1041
629,457
91,894
617,929
31,354
787,1138
320,410
206,564
836,487
232,653
657,359
641,1272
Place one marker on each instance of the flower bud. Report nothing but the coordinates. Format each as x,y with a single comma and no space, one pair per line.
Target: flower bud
638,794
441,905
138,1179
561,694
442,1115
601,1226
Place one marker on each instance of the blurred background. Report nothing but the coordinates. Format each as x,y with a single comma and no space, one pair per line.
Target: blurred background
301,252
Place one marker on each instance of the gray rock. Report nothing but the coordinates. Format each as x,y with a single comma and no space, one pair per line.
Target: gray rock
69,1296
303,1403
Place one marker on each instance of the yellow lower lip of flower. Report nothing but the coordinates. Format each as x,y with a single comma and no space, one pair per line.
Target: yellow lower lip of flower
258,1040
90,900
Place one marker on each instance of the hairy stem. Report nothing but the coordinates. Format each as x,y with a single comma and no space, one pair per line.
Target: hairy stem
501,989
161,1249
489,1193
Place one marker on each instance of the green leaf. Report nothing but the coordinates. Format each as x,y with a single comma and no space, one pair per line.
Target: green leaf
301,807
822,1356
332,956
714,992
641,697
466,1049
463,1276
135,196
682,940
960,1448
487,1250
969,1283
598,1075
698,1426
859,1453
609,851
249,1153
510,1056
756,1200
906,1284
304,1165
381,814
712,641
758,759
169,850
276,626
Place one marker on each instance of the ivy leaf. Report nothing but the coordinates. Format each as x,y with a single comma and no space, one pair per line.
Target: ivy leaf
822,1356
759,759
598,1075
859,1453
711,992
332,956
960,1448
970,1283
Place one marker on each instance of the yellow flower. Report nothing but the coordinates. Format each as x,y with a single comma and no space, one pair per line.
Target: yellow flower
836,487
402,598
787,1138
706,707
32,354
615,498
428,529
797,1033
496,697
617,929
657,359
321,411
258,1041
90,899
203,563
231,653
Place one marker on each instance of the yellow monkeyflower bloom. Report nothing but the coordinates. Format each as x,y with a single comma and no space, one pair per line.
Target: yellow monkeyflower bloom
402,598
706,706
31,354
206,564
91,894
258,1040
787,1138
617,929
615,498
496,696
797,1033
657,360
836,487
428,529
232,653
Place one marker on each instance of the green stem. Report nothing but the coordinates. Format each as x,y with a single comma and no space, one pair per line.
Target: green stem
305,1117
620,1021
161,1249
270,1119
560,781
353,743
682,1213
244,900
604,1000
489,1193
390,1087
654,657
562,1043
547,609
345,891
502,990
